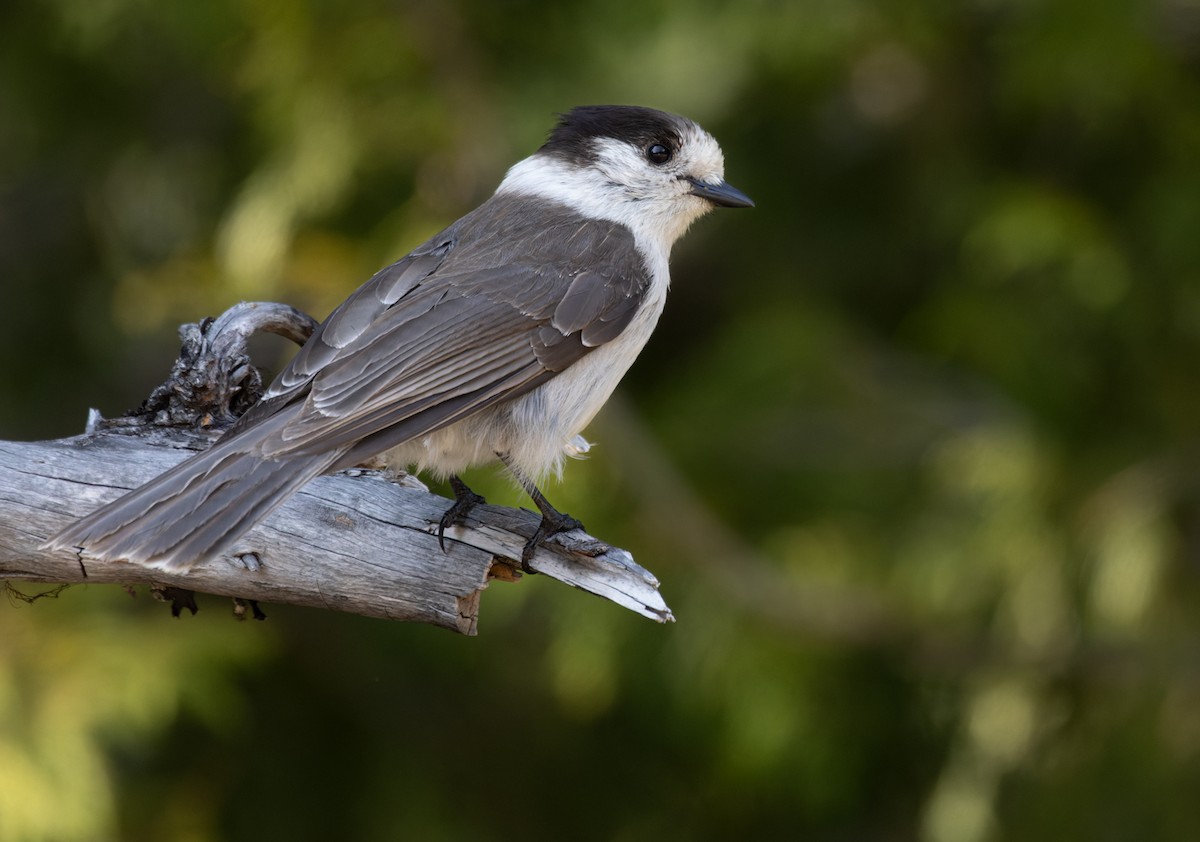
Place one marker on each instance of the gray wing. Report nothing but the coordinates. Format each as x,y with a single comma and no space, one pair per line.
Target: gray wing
485,312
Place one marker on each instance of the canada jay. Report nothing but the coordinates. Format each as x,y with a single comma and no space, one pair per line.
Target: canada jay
499,338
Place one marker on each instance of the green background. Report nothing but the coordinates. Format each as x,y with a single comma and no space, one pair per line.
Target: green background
914,450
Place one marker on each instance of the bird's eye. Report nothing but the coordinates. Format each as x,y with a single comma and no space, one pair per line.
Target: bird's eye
658,154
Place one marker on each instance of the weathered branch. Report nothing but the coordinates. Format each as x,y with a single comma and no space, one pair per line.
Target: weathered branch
358,541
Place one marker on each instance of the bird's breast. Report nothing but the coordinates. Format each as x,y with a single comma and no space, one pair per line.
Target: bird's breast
547,419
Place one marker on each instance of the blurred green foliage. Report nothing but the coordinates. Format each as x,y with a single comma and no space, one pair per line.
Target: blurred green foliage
914,451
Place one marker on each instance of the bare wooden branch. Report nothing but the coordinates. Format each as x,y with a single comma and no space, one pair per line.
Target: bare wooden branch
358,541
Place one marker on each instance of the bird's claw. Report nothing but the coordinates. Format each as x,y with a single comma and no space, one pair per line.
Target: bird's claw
551,525
464,501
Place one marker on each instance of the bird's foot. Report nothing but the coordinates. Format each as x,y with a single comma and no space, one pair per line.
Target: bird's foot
464,501
553,522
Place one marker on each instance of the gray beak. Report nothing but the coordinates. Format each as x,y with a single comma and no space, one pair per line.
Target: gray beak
725,195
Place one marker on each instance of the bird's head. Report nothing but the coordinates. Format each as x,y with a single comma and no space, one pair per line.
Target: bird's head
652,171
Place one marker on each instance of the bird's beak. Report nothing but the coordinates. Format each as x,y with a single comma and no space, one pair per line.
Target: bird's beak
725,195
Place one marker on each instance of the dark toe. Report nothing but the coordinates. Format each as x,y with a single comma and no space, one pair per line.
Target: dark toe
550,526
464,502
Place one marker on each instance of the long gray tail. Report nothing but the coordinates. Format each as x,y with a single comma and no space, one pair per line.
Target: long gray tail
194,510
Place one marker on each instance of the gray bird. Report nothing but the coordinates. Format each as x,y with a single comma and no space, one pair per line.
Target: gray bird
498,338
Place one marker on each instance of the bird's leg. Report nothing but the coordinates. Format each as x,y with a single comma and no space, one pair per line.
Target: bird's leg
553,521
464,500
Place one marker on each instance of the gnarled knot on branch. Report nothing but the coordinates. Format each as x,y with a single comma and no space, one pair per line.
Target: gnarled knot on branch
213,380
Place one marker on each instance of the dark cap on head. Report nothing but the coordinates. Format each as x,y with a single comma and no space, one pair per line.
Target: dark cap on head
572,139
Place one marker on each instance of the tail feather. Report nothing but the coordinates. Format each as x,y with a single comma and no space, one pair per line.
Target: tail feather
194,510
243,503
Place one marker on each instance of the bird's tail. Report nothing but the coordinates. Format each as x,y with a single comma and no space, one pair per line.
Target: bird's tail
194,510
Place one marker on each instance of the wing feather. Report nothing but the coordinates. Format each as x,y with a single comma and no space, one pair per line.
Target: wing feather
483,312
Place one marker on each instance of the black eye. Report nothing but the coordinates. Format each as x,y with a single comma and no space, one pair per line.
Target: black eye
658,154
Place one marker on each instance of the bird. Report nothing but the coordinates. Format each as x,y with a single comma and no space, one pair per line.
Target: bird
497,339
